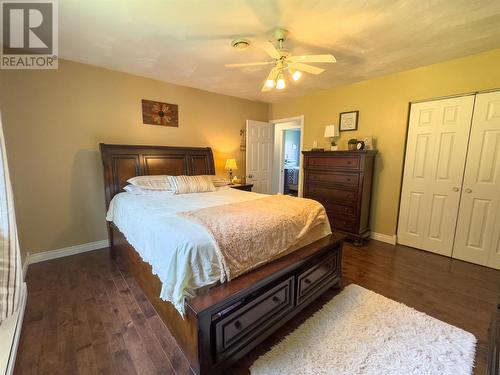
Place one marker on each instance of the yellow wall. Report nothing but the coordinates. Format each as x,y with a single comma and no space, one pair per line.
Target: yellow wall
383,106
54,120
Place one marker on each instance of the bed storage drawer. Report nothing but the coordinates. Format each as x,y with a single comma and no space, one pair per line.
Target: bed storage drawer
314,277
242,325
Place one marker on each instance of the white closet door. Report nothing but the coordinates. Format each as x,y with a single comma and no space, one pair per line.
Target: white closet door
438,134
259,155
478,230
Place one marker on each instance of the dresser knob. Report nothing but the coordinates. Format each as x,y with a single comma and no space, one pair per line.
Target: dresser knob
307,281
237,324
276,299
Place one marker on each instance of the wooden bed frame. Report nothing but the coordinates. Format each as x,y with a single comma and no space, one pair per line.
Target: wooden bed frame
226,322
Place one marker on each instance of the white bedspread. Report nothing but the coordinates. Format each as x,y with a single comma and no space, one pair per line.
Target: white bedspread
181,252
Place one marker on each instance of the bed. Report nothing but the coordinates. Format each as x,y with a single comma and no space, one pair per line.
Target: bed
214,323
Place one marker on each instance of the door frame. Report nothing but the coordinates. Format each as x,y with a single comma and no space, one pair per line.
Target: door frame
278,152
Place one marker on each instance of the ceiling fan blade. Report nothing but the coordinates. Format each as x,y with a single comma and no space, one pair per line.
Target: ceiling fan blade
271,50
313,59
272,77
248,64
306,68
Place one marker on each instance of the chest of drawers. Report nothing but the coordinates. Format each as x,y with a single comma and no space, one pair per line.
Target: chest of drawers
342,182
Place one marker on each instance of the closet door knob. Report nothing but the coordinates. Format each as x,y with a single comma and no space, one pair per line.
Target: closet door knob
468,190
454,188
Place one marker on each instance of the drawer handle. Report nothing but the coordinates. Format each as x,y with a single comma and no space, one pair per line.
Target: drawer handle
307,281
276,299
237,324
349,162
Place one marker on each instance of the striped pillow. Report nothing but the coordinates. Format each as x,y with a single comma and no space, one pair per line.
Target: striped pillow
219,181
191,184
153,182
137,190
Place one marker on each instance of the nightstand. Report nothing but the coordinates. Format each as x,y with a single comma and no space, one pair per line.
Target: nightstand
245,187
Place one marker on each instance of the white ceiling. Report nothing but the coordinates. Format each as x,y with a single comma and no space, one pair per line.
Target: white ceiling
187,42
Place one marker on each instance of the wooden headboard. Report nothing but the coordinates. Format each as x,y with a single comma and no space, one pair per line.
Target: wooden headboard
122,162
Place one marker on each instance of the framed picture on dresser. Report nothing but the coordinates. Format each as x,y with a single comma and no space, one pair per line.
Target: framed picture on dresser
348,121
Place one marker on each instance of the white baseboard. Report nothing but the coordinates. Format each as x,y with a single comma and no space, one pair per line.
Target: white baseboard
383,237
25,265
67,251
11,333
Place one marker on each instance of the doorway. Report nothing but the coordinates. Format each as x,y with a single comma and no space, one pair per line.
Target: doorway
291,162
288,135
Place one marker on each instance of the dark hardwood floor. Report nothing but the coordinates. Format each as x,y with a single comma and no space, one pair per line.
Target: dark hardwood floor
86,315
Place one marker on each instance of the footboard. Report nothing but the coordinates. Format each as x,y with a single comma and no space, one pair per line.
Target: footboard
227,322
235,317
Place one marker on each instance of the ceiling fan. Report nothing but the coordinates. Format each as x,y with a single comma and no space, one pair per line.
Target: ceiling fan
284,61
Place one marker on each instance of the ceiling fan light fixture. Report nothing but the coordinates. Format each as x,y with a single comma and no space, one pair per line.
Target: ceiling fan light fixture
270,83
296,74
280,83
282,60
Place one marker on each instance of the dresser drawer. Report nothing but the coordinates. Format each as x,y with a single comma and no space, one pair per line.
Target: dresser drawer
330,194
242,325
333,162
338,210
342,223
344,179
315,276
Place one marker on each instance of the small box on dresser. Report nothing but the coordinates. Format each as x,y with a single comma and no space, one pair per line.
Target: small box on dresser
342,182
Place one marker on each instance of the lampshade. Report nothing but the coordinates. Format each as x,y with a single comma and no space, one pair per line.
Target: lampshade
332,131
230,164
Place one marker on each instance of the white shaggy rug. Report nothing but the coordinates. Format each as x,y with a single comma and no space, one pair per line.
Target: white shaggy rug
362,332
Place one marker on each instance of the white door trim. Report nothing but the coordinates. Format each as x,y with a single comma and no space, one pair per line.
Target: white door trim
456,95
277,165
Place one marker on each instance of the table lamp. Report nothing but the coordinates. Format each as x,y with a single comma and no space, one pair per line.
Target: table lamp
230,165
332,131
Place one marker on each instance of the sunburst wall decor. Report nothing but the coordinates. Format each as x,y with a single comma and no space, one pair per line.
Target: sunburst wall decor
158,113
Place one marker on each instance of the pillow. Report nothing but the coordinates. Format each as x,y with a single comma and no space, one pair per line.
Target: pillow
219,181
156,182
191,184
137,190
